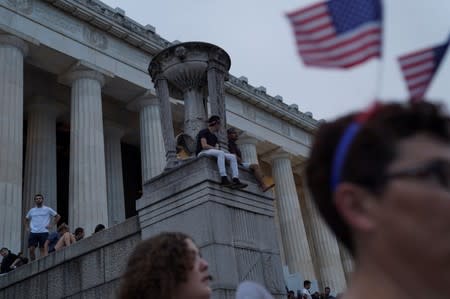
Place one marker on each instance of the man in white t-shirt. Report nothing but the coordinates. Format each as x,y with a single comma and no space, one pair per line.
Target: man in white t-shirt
38,221
305,292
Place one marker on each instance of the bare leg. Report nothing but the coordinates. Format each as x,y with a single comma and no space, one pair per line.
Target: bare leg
65,240
259,177
42,252
32,255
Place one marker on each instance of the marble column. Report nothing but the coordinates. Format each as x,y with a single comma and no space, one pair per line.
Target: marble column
293,234
347,261
165,112
327,256
12,52
216,75
247,145
87,177
40,156
114,176
153,151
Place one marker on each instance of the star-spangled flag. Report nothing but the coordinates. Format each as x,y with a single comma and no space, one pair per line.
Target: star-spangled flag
419,68
338,33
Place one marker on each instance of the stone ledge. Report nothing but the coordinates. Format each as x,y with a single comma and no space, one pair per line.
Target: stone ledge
84,247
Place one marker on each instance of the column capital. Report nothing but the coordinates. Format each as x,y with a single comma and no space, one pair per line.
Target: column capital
247,139
14,41
112,128
279,154
85,70
46,105
148,98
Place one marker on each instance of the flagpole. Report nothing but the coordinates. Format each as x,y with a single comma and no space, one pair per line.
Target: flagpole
380,66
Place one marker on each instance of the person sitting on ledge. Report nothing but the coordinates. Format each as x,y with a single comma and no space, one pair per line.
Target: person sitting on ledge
79,233
66,238
381,180
166,266
254,168
207,146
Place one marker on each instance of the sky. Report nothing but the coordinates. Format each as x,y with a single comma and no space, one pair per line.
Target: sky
258,37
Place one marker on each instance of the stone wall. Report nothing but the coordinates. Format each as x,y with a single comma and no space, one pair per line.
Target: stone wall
88,269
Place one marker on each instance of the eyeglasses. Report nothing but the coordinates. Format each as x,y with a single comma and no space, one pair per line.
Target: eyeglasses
437,171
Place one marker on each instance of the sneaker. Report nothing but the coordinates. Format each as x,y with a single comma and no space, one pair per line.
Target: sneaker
237,184
225,182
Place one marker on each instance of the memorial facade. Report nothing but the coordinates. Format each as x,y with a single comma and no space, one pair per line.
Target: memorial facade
80,123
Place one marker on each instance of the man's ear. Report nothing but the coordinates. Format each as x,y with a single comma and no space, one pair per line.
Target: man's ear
356,206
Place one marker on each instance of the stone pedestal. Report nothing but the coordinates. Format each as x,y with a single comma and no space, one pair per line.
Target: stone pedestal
114,177
327,256
234,229
87,182
187,70
12,52
295,242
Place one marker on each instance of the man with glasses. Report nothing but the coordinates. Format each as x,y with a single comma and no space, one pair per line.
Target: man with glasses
207,146
381,180
38,219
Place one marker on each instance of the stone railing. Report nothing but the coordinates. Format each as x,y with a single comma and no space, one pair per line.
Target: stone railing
90,268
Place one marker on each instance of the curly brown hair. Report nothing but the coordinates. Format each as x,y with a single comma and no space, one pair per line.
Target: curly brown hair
369,154
156,267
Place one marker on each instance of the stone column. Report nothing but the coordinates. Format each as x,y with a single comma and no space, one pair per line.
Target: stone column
153,152
328,260
114,177
87,182
347,261
40,156
165,112
12,52
216,78
247,145
293,234
194,111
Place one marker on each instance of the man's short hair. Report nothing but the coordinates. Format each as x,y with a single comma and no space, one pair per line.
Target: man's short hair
3,249
213,120
306,282
369,154
36,195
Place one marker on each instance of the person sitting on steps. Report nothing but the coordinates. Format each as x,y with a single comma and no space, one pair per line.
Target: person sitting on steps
207,146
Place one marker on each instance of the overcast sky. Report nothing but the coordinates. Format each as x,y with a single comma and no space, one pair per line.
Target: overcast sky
259,39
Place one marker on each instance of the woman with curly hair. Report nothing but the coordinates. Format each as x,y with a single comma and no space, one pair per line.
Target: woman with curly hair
166,266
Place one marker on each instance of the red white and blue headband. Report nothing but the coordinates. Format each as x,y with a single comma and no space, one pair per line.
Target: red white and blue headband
345,142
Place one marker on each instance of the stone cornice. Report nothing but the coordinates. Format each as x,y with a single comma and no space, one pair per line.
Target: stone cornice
258,97
114,22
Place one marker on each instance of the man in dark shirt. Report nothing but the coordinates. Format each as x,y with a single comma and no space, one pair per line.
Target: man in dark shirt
207,146
327,294
8,260
254,168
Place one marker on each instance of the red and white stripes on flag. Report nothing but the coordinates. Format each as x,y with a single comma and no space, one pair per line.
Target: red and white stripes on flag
420,67
338,33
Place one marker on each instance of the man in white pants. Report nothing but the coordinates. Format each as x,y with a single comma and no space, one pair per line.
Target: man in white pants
207,146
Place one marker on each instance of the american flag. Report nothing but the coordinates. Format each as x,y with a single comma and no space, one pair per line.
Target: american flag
338,33
419,68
